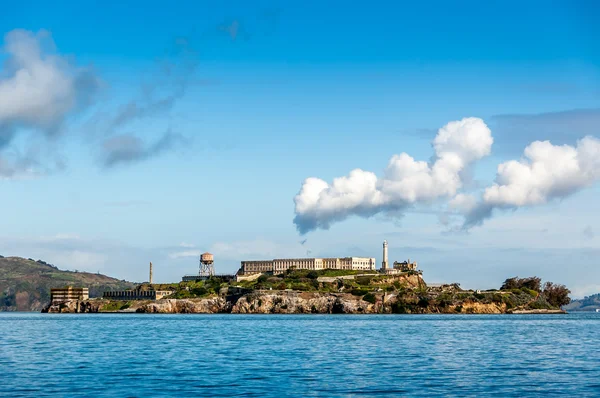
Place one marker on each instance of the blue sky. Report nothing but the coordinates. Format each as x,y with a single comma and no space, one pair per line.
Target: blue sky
235,104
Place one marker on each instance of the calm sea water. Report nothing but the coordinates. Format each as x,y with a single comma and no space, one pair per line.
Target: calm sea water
297,355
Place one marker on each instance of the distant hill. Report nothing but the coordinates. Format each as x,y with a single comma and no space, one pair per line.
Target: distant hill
589,303
25,283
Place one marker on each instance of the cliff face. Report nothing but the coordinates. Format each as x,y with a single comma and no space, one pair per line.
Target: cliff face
75,306
213,305
280,302
303,303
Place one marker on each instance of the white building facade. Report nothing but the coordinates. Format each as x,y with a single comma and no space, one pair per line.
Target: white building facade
280,265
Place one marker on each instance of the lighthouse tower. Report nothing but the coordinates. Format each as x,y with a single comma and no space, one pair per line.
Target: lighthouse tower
384,263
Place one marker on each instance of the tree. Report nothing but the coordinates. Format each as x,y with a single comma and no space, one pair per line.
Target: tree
532,283
510,283
556,294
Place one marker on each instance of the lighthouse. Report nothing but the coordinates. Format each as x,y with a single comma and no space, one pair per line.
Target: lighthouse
384,263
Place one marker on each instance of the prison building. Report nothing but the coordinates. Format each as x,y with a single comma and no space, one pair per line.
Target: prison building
256,267
60,295
280,265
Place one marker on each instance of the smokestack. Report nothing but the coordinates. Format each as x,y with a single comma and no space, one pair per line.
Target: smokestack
384,263
150,272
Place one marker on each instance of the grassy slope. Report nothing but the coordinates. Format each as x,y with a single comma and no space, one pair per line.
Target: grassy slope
25,284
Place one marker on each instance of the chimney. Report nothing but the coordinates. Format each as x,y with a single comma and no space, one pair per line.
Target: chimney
150,272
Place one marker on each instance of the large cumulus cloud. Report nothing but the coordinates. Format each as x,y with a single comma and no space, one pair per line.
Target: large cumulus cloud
545,172
406,181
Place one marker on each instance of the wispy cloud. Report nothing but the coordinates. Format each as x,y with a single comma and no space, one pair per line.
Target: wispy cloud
39,89
185,254
124,149
110,130
588,232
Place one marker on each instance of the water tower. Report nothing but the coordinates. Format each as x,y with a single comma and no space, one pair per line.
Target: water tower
207,268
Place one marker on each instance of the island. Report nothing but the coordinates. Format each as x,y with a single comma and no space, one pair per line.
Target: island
325,292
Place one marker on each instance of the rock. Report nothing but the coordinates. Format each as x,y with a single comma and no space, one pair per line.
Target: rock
186,306
301,303
292,302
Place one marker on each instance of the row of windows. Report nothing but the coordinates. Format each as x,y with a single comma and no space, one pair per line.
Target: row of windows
345,263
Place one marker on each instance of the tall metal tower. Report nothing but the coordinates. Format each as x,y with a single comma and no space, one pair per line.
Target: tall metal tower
207,269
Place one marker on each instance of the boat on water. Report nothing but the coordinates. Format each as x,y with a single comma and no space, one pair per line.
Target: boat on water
597,309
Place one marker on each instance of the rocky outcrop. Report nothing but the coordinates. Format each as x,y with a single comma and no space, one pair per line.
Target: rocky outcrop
212,305
290,302
75,306
303,303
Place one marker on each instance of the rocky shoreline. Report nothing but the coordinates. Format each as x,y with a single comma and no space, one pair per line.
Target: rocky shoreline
285,302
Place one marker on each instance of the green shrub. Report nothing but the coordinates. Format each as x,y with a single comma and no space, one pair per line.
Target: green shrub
509,301
199,291
312,275
400,308
369,298
423,302
359,292
364,280
300,286
496,298
531,292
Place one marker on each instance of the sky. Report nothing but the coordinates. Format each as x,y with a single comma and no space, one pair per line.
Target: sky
466,134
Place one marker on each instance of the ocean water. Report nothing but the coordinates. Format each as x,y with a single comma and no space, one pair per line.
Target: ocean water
299,355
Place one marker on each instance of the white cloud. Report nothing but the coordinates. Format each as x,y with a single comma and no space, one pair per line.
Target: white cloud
185,254
462,203
546,172
61,237
38,89
41,87
406,181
